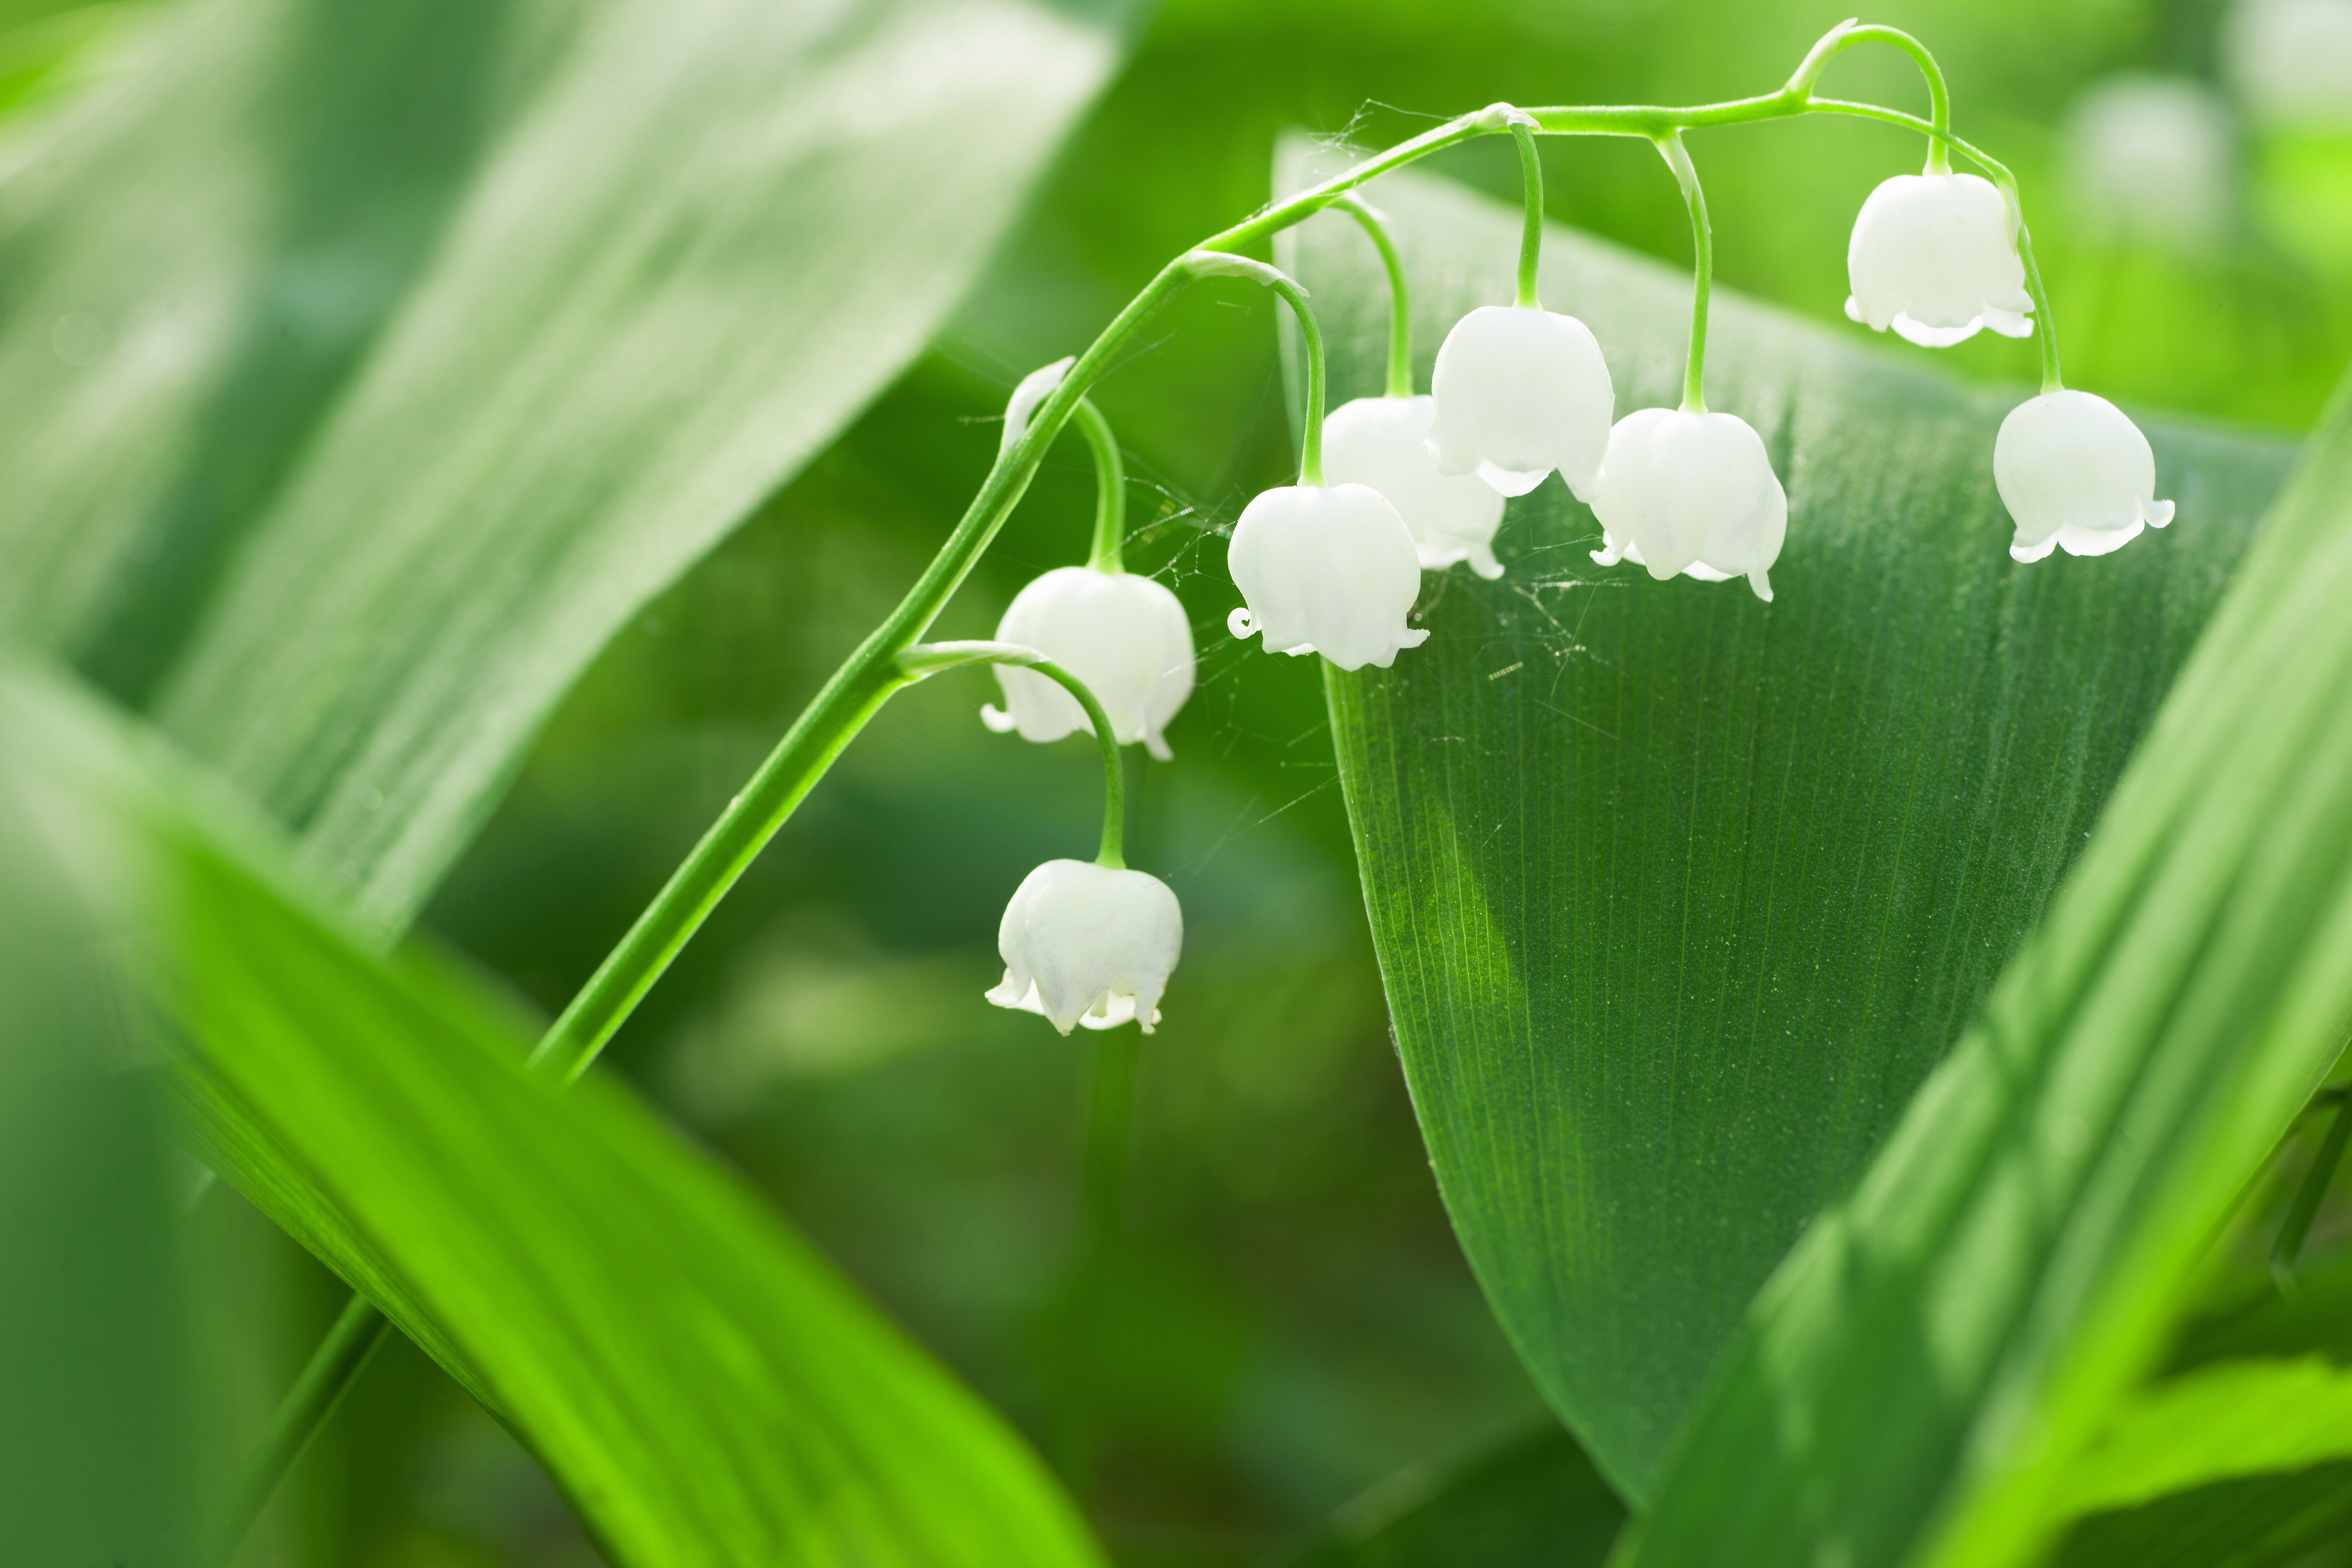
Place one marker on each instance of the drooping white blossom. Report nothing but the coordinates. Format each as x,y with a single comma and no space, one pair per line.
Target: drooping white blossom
1694,493
1520,392
2075,474
1126,637
2152,160
1383,443
1935,257
1089,944
1326,568
2290,61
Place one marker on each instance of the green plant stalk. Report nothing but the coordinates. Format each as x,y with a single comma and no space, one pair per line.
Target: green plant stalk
871,673
1108,552
358,1329
1311,447
1677,158
1532,197
1399,296
2296,1228
927,660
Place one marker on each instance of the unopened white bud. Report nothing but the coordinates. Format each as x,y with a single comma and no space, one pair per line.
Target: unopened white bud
1383,443
1326,568
1089,944
1520,392
1691,493
2075,474
1935,257
1126,637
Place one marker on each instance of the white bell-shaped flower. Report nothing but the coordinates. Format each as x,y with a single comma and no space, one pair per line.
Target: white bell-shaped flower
1694,493
2076,473
1326,568
1520,392
1935,257
2153,159
1383,443
1126,637
1089,944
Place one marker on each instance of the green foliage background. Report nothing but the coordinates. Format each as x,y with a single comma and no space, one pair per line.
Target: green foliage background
1290,1333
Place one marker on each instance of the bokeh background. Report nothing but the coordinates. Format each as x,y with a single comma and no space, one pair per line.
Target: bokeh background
1284,1331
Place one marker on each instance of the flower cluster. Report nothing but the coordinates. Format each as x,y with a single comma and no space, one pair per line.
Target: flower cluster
1392,486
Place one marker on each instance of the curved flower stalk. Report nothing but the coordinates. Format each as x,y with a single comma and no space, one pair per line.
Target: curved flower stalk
1329,568
1682,492
1521,391
1383,443
2075,474
1126,637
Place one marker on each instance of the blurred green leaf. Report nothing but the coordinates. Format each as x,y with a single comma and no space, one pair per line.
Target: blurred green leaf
2300,1520
702,1385
2230,1420
98,1434
1921,1378
1535,1502
1679,895
360,376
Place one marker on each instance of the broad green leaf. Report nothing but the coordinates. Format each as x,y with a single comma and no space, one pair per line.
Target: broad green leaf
1678,896
361,374
99,1436
702,1387
2222,1421
1921,1378
1534,1502
2297,1520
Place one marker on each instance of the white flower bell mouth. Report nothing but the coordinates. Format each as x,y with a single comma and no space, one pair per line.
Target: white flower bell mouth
1326,568
1126,637
1089,944
1520,392
2076,473
1696,493
1935,257
1383,443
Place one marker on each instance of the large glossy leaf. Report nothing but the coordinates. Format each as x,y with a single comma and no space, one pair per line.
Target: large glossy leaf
1678,894
703,1387
361,374
1921,1380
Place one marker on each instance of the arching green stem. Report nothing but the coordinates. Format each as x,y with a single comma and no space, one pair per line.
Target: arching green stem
2045,322
329,1374
929,658
1523,130
1940,98
1670,147
1400,299
1110,490
1216,264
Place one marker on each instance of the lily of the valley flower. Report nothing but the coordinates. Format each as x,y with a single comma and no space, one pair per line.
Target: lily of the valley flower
1126,637
2075,474
1935,257
1383,443
1685,492
1520,392
1089,944
1326,568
